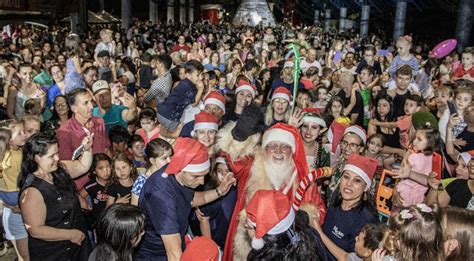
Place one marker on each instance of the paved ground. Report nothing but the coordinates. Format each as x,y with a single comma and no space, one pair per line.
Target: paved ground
10,255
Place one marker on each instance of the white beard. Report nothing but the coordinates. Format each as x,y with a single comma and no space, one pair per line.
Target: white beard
279,174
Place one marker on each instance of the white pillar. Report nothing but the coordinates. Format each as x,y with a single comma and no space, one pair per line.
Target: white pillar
170,12
74,19
126,13
182,11
316,16
400,17
327,16
364,21
153,12
102,5
191,11
464,23
342,19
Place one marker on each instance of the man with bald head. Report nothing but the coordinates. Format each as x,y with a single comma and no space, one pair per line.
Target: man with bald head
311,61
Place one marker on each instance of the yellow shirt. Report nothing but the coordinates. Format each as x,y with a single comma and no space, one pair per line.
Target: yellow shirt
11,166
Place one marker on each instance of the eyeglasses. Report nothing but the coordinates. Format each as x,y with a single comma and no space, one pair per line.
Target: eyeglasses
272,147
61,105
352,146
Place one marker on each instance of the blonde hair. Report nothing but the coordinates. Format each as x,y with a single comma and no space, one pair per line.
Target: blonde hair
415,234
269,113
405,39
123,157
5,136
458,223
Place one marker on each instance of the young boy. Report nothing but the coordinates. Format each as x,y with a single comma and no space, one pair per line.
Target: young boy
462,100
149,126
466,70
365,82
222,84
119,138
136,147
187,92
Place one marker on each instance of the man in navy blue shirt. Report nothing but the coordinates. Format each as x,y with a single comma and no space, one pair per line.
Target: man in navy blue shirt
286,80
168,197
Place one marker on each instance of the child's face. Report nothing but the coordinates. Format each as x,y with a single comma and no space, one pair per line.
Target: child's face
369,56
403,48
462,171
18,136
402,81
365,76
206,137
138,149
442,99
182,73
466,60
410,107
322,94
336,108
162,160
148,124
375,146
103,169
359,248
302,100
221,170
463,100
122,169
222,82
120,147
195,76
420,142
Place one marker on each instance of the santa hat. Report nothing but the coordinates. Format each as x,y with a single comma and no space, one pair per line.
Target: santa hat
357,130
335,133
221,159
246,86
215,98
288,134
271,213
205,120
201,248
466,156
312,115
281,93
189,155
363,166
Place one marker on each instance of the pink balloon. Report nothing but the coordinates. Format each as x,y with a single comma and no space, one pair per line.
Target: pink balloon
444,48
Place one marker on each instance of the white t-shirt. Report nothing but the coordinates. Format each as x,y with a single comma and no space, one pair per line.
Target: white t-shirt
304,65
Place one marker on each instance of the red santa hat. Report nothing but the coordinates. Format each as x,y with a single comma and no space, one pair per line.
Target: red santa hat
283,132
271,213
215,98
312,115
335,133
363,166
281,93
205,120
246,86
201,248
189,155
357,130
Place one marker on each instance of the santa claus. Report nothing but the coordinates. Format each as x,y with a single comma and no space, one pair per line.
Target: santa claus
280,164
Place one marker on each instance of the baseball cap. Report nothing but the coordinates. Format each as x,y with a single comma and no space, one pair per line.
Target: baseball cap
99,86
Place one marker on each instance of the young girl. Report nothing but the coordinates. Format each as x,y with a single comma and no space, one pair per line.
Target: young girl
415,234
215,217
404,56
462,100
119,231
335,110
159,154
124,175
73,79
375,144
95,188
321,101
420,160
458,230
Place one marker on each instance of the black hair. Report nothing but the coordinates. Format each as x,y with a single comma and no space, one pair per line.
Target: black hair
212,75
390,116
155,148
147,113
135,138
432,139
90,68
119,227
369,69
374,234
311,71
280,247
367,201
71,96
38,145
98,157
165,60
55,115
250,64
146,57
119,134
193,66
416,98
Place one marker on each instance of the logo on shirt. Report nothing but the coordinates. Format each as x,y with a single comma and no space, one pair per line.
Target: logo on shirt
337,233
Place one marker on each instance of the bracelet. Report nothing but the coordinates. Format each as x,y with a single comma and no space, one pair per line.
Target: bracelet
218,193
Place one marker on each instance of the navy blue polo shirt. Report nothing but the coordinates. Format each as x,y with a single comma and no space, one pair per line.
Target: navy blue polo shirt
167,206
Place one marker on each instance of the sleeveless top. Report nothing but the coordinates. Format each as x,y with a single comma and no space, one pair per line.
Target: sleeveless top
391,140
73,79
63,211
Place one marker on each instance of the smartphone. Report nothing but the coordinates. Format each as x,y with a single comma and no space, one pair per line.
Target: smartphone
452,108
77,153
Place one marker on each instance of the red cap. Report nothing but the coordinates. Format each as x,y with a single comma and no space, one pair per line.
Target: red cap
335,133
365,167
205,120
246,86
202,249
215,98
189,155
282,93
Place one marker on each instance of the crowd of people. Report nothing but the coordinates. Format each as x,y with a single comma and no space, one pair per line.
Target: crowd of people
205,142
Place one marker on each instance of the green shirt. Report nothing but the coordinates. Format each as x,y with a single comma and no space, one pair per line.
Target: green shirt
112,117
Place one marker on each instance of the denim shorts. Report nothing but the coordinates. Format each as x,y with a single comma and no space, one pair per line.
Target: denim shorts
170,125
13,225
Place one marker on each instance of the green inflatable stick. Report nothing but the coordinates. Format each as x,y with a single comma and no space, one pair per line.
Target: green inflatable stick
296,69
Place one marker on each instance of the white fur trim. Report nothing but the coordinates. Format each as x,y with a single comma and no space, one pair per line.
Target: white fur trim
466,157
206,125
164,175
357,131
216,102
245,88
359,172
221,160
284,224
278,135
283,96
316,120
197,167
257,243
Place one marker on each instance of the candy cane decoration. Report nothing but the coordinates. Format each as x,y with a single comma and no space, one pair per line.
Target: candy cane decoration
306,182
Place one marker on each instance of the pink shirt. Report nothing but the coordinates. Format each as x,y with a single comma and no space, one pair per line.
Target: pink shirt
155,134
411,191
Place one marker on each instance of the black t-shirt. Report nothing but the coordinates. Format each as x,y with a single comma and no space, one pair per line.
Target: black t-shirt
98,199
358,108
399,104
459,192
146,76
468,137
117,190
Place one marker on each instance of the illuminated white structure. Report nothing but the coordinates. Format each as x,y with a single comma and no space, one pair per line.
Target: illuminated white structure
253,13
